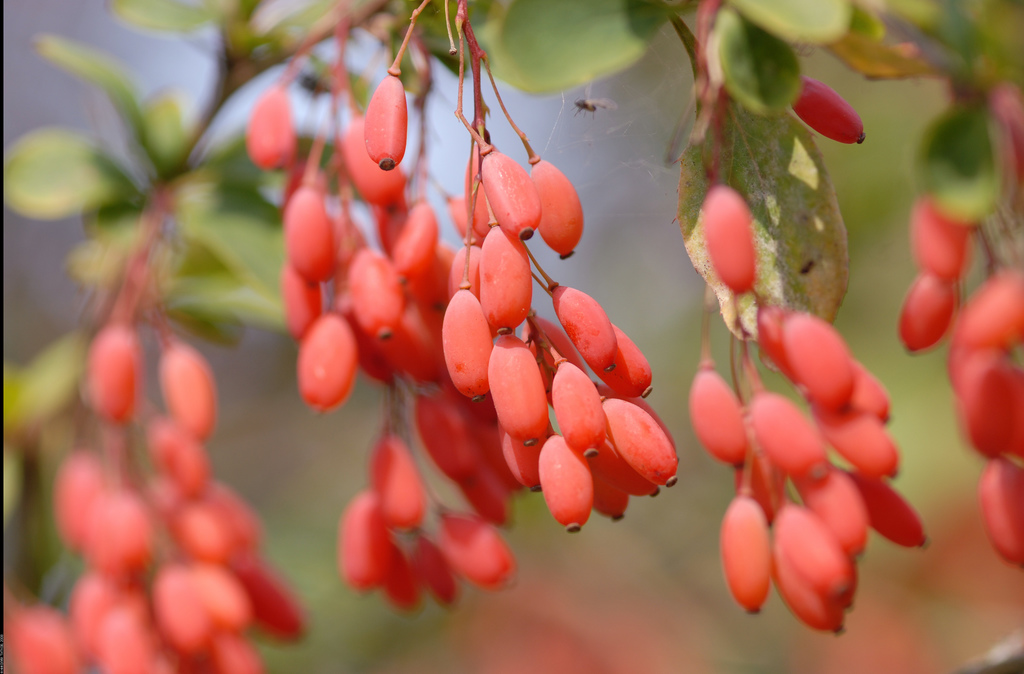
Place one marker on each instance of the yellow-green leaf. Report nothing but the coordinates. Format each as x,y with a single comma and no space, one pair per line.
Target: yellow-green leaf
798,230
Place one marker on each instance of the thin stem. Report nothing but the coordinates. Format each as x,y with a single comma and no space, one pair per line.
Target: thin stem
395,70
452,50
534,157
689,41
477,137
551,284
705,324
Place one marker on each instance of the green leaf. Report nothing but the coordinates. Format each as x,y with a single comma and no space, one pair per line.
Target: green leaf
549,45
96,68
12,396
816,21
957,164
761,71
47,384
164,136
243,231
798,230
163,15
53,173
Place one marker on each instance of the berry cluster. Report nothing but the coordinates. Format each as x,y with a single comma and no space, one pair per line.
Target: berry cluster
438,328
805,539
174,578
985,331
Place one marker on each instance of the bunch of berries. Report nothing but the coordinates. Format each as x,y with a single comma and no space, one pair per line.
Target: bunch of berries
438,328
806,538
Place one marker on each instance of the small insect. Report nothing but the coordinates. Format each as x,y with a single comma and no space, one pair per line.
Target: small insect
591,105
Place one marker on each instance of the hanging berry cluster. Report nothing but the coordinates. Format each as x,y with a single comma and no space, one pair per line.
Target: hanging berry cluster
438,328
174,579
986,330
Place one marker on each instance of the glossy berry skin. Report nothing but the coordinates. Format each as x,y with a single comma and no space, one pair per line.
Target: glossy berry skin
270,136
327,363
566,483
466,338
1001,493
517,389
639,439
729,236
511,194
309,235
475,550
927,312
587,326
820,360
940,244
387,122
825,111
561,220
717,417
785,435
746,553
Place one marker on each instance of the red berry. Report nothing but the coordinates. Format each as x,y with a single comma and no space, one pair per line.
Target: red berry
397,483
889,514
941,245
587,325
179,456
119,538
862,440
180,611
577,406
609,500
561,221
825,111
820,360
786,436
746,553
446,437
517,389
609,466
523,460
994,315
836,501
309,236
114,366
376,186
729,237
511,194
807,544
189,389
401,586
631,377
79,484
566,483
639,439
466,337
387,122
40,641
415,246
717,417
506,285
927,312
1001,492
327,363
270,136
223,596
274,607
475,550
433,571
303,301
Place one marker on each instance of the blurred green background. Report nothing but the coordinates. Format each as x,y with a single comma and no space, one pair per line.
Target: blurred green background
642,595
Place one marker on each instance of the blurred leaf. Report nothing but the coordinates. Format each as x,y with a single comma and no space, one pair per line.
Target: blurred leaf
54,173
13,384
957,163
225,297
761,71
163,15
549,45
164,136
113,235
229,164
815,21
798,230
871,58
863,22
46,385
241,228
216,328
96,68
12,482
